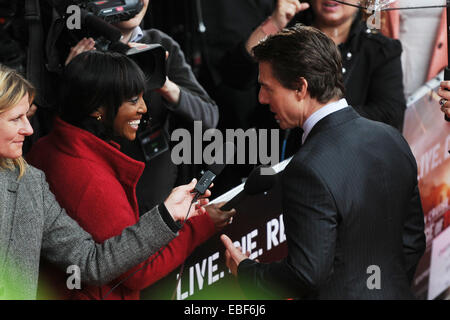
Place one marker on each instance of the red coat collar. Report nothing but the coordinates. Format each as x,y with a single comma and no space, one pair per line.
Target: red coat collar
80,143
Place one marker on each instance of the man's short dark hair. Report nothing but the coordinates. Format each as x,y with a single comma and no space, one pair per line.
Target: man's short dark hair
302,51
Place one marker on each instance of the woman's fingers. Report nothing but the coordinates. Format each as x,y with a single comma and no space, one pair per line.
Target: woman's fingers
445,85
443,93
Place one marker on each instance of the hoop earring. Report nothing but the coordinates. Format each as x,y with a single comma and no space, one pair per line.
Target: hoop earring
99,117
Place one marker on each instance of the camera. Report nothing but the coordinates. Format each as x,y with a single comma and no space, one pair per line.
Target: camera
109,10
115,10
151,58
97,17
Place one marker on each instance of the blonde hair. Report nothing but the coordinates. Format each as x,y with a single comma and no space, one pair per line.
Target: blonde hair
13,87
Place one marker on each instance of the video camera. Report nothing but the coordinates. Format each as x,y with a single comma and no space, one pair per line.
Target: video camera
108,10
97,16
115,10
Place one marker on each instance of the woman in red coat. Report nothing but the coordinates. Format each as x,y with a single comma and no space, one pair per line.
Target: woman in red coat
102,97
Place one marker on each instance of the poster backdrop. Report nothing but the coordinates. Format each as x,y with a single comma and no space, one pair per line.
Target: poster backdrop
428,135
257,228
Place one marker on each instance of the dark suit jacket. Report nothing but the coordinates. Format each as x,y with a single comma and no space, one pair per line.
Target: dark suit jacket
350,201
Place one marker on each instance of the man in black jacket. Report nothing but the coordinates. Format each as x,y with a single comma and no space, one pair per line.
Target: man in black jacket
371,65
351,205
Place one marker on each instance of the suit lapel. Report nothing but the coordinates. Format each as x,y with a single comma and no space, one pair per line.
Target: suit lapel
332,120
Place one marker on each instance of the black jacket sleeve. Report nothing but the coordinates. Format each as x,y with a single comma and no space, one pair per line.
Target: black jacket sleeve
385,100
310,217
194,103
413,236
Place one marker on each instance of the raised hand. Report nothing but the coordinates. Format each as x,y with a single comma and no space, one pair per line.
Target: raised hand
180,199
444,93
219,217
233,255
286,10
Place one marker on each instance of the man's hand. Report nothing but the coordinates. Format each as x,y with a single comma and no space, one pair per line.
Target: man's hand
170,91
286,10
219,217
233,255
82,46
180,199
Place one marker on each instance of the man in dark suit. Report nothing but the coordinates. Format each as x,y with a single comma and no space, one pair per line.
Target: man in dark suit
351,206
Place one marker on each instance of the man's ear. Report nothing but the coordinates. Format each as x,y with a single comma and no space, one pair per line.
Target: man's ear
302,88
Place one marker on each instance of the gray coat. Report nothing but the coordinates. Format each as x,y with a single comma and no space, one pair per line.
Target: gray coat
32,223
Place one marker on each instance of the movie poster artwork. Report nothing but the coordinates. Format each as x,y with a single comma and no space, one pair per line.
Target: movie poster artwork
428,135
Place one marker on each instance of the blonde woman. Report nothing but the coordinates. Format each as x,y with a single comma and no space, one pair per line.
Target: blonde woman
33,224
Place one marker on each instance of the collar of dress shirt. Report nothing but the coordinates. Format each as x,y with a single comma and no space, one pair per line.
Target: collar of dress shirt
320,114
136,34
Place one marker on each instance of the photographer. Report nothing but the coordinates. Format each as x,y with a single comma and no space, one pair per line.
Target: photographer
177,104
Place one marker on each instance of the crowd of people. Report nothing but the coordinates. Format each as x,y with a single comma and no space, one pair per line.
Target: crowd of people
87,193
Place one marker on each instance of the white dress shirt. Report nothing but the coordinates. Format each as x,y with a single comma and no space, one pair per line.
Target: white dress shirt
320,114
137,34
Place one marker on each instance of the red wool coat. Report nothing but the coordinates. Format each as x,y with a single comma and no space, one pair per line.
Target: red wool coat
96,183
